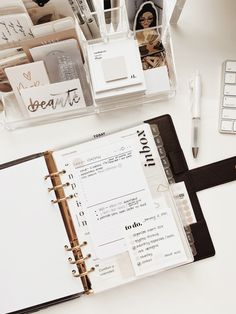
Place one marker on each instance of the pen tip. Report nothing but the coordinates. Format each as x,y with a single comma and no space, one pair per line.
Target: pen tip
195,151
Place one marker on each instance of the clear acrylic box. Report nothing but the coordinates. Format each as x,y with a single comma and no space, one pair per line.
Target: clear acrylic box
13,117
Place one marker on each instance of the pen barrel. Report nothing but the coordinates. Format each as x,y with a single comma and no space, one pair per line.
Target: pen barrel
115,13
115,3
86,31
195,132
108,17
84,8
107,6
196,111
93,27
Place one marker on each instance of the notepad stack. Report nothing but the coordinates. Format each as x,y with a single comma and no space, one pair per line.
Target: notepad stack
116,74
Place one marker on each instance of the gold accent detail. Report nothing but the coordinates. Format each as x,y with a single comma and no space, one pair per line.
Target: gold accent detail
67,219
75,248
62,199
88,292
58,187
83,274
78,261
54,174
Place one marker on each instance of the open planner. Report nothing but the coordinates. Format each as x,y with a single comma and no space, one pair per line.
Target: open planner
97,215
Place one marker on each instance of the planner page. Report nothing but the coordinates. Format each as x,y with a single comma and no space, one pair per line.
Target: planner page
123,207
34,268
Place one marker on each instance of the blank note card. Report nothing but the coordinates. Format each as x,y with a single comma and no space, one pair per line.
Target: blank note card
114,69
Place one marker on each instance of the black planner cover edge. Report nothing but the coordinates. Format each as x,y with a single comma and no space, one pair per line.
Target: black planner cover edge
214,174
42,306
202,239
20,160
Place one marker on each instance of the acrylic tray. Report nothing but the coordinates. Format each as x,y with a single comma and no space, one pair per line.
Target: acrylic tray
13,118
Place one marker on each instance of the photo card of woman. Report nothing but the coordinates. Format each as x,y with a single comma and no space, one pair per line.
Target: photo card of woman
148,35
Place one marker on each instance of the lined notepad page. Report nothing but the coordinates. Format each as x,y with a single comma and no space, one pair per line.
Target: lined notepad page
34,266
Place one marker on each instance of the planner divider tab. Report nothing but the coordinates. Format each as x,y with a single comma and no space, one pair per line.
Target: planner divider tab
74,244
167,168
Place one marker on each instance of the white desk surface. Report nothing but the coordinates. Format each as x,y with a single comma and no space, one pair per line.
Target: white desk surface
203,39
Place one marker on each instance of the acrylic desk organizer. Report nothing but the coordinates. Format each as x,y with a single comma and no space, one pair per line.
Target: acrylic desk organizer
109,79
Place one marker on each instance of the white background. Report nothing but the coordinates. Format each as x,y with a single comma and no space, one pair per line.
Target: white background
204,38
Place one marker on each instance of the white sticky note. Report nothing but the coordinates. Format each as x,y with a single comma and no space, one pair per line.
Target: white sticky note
154,242
100,52
114,69
157,80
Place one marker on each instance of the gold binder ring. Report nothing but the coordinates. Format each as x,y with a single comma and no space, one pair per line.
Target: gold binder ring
75,248
79,261
54,174
57,187
62,199
75,274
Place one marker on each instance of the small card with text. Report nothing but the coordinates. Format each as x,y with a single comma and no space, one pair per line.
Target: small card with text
154,242
53,98
26,76
15,27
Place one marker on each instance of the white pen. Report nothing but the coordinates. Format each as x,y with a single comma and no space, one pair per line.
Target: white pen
196,112
82,23
89,18
115,14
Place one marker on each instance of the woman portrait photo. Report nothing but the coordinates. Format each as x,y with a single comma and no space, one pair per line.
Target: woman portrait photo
147,34
146,16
